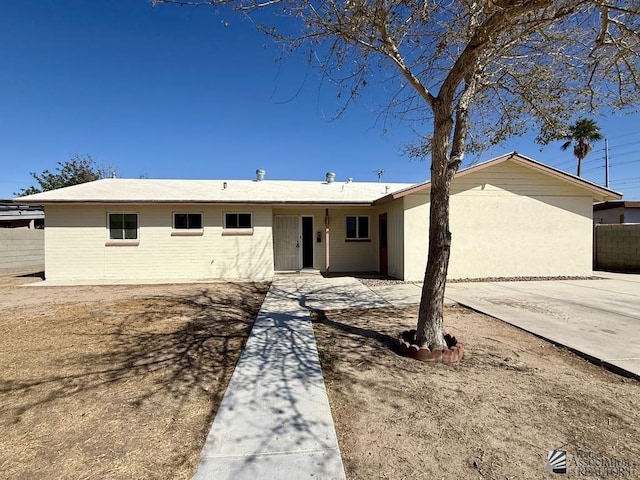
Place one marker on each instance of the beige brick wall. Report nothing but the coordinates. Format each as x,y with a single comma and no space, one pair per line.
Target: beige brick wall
21,251
617,247
77,246
349,256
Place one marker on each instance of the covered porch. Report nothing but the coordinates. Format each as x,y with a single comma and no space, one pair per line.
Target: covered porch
332,239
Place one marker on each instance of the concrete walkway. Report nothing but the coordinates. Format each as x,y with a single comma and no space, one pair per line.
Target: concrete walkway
274,421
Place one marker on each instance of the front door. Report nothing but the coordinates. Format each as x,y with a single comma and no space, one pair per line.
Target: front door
286,241
307,242
384,262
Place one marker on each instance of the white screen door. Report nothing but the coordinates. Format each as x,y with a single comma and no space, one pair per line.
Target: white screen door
287,242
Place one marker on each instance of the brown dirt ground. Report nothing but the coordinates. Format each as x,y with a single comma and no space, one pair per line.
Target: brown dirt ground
116,382
495,415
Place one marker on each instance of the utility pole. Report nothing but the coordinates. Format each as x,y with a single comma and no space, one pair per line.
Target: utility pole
606,163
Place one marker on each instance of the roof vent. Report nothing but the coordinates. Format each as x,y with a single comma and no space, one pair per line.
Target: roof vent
260,174
386,188
331,177
350,180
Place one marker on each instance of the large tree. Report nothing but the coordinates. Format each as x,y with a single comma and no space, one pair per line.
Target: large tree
476,71
78,169
581,134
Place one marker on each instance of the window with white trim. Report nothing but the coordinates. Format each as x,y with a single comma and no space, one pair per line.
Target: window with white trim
357,227
123,226
238,221
187,221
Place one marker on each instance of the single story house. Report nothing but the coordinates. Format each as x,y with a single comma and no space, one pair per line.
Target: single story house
15,215
510,217
617,211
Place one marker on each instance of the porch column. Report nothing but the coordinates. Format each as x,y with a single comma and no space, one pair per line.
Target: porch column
326,240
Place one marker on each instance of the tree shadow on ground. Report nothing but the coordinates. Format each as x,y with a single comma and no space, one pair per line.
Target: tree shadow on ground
320,317
509,398
164,344
278,389
278,383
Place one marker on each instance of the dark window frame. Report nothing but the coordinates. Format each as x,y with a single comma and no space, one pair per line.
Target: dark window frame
118,231
354,233
190,223
238,221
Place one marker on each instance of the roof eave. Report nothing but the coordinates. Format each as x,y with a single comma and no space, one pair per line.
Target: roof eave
320,203
598,192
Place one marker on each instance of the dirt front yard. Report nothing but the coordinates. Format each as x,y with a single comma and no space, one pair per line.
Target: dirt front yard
116,382
496,415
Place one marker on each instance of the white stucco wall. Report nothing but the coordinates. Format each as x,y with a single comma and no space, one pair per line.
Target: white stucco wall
76,245
416,235
507,221
395,237
515,236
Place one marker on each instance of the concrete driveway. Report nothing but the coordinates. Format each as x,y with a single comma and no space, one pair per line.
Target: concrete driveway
599,318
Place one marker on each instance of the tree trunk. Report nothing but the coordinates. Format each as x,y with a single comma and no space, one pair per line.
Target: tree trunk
430,317
579,166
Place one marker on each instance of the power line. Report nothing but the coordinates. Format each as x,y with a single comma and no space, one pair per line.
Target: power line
637,160
597,167
625,154
637,142
622,135
572,160
627,181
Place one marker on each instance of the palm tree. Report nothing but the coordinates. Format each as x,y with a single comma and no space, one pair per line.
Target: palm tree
581,134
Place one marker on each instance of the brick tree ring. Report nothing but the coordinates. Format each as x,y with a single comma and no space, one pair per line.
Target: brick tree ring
453,353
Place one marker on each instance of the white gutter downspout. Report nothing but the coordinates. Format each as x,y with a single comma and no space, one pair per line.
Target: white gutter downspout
326,240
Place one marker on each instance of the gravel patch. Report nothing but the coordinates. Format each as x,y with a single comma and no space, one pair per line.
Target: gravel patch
381,282
521,279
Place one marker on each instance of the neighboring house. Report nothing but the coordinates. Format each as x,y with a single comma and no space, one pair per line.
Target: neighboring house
15,215
21,238
618,211
616,244
510,217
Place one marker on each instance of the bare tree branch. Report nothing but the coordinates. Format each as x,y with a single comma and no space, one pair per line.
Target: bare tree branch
476,71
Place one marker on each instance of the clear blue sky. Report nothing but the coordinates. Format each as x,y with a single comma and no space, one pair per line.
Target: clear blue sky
169,92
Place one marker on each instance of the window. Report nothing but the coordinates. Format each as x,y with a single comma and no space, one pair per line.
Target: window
187,221
357,228
237,220
123,226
